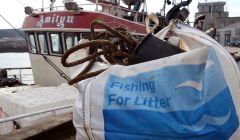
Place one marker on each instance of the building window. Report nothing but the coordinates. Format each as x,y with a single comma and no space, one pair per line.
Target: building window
210,9
43,43
227,37
238,32
32,43
222,24
56,45
71,39
214,8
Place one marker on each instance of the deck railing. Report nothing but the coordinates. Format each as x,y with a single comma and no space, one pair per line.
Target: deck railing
9,124
23,74
53,110
92,7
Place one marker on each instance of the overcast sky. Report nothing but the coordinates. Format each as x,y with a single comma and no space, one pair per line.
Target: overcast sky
13,10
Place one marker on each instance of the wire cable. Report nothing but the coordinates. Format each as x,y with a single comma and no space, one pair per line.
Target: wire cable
21,3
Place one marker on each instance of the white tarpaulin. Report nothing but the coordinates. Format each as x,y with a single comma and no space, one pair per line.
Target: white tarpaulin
192,95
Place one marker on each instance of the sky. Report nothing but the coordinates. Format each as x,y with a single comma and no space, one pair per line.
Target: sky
13,10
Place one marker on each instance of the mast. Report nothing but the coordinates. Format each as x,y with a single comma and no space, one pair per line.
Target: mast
145,6
164,8
42,5
96,5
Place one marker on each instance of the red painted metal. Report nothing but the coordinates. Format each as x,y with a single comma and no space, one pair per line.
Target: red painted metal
65,19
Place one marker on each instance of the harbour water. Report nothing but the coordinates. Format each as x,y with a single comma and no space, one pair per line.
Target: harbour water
13,60
17,60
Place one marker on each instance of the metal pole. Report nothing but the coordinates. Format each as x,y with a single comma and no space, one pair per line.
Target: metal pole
118,7
20,75
33,113
96,5
42,5
145,6
211,10
164,8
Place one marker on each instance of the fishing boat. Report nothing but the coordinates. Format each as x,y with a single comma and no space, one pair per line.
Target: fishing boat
49,33
44,111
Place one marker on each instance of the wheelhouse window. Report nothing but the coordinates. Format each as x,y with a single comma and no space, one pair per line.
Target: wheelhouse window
86,36
71,39
56,45
32,43
43,43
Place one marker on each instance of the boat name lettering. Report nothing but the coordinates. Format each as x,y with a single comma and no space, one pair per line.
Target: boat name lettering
55,19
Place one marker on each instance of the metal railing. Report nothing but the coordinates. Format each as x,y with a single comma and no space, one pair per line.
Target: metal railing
9,124
20,73
53,110
110,7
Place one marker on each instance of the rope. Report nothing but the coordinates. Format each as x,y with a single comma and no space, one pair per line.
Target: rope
116,45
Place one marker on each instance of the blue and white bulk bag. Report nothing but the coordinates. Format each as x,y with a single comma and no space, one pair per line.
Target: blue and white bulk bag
189,96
